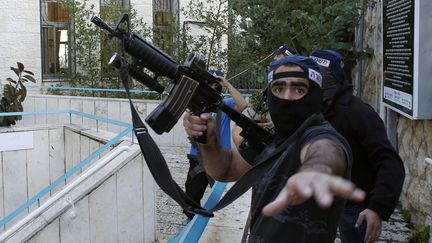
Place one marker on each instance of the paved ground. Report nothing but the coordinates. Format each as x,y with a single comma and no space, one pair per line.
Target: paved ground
228,225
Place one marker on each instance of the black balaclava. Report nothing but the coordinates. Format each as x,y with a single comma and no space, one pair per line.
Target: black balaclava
331,85
288,115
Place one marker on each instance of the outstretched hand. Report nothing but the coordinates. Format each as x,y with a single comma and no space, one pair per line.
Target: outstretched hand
307,184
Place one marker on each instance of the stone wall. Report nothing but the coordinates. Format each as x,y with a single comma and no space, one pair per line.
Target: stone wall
414,140
20,36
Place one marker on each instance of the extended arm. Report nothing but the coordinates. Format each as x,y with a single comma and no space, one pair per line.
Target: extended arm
240,101
320,177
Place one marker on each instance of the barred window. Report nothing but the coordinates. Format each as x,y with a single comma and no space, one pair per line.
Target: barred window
55,38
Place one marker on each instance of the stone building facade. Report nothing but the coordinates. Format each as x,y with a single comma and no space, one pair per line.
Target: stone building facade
413,138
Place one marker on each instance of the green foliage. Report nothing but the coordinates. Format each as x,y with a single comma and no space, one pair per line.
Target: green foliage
14,93
254,100
213,14
303,24
406,216
420,234
92,47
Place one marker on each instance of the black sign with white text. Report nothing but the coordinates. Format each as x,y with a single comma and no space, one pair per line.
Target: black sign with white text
398,50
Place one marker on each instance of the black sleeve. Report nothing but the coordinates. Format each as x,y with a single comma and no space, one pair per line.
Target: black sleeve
326,131
370,132
249,153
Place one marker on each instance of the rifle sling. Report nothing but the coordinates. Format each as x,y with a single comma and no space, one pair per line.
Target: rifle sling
161,174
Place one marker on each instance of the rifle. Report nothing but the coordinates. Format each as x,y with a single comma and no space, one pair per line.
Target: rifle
193,87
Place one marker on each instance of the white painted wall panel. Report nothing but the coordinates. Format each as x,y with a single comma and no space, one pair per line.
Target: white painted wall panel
85,150
130,202
101,110
56,156
76,105
89,108
76,153
38,168
149,197
103,212
28,106
51,105
68,152
64,104
1,191
40,105
116,109
125,113
114,114
77,229
15,181
49,234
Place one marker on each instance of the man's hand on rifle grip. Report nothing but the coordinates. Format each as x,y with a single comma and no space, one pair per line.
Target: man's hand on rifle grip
196,125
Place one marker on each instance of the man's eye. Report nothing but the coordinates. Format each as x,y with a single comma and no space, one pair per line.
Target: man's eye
301,90
277,89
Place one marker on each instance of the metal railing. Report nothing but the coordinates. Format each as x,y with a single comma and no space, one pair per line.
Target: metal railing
193,230
65,88
73,170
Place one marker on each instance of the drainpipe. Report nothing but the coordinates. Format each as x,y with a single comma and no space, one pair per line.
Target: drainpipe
391,118
360,48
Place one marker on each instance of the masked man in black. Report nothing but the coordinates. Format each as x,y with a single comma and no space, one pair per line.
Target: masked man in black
377,168
296,197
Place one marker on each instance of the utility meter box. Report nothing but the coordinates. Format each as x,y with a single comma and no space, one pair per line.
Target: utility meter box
407,52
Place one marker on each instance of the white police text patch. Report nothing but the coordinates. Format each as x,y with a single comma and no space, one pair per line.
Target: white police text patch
321,61
270,76
315,76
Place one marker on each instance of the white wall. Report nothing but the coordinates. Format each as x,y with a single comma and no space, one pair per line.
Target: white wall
144,9
26,172
116,109
19,37
116,211
115,204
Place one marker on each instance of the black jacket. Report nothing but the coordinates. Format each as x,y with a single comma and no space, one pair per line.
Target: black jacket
377,168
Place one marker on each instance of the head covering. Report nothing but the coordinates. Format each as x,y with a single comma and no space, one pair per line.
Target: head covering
309,66
288,115
331,60
331,63
285,49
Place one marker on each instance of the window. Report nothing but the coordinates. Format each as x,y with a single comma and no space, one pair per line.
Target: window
163,14
55,39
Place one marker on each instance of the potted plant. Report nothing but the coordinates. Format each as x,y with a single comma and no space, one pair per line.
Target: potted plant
14,94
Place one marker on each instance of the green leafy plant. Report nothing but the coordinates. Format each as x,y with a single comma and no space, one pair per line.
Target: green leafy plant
14,93
420,234
255,99
261,26
406,216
